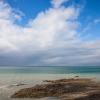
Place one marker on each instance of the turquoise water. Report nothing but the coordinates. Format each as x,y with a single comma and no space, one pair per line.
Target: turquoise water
50,70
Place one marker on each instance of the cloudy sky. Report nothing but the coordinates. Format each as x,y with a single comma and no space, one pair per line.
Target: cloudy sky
49,32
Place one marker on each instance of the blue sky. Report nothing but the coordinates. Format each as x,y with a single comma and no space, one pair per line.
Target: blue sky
49,32
29,8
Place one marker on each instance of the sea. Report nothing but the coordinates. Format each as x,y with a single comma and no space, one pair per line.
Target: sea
24,73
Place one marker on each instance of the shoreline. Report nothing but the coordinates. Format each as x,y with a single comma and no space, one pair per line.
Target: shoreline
12,83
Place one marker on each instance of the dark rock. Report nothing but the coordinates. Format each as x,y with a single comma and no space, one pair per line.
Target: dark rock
65,89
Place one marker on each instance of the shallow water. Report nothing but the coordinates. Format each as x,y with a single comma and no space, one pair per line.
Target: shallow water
49,70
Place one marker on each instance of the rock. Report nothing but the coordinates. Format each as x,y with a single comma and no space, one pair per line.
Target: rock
65,89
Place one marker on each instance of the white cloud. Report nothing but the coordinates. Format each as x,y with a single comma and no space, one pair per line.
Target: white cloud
51,37
50,25
42,31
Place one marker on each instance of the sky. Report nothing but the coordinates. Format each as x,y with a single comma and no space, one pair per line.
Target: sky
49,32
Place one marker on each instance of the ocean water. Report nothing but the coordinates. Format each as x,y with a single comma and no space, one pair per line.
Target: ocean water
47,72
50,70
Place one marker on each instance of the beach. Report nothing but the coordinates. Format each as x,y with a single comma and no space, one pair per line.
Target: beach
9,84
13,82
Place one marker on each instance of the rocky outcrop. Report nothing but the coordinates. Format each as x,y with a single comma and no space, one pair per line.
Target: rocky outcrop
65,89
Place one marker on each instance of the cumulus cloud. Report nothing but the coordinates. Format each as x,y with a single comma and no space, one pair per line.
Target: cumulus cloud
47,27
49,39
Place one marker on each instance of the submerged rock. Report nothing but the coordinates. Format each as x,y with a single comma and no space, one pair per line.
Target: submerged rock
65,89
